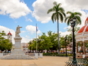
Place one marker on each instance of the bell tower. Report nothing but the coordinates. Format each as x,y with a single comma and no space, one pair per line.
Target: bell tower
9,36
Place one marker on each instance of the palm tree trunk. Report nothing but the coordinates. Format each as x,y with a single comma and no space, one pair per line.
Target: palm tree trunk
58,36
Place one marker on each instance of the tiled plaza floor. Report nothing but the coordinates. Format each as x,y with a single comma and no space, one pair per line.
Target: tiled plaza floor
45,61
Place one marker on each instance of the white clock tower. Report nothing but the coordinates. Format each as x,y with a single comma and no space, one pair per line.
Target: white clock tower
9,36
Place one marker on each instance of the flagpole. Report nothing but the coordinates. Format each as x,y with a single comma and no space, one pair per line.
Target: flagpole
36,38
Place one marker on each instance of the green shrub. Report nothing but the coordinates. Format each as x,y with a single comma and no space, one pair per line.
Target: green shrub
55,54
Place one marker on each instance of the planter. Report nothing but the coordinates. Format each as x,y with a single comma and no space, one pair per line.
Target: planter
1,54
83,55
40,55
36,55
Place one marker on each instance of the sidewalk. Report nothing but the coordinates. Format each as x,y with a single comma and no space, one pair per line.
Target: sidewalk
45,61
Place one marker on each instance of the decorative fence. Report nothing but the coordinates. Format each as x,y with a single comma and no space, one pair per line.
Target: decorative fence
80,62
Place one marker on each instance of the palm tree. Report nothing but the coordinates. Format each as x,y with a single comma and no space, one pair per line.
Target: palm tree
73,15
58,14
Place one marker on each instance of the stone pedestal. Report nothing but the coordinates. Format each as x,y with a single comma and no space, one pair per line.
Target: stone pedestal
17,42
40,55
1,54
36,55
17,53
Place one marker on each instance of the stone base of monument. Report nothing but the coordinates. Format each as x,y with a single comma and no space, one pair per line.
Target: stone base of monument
17,53
1,54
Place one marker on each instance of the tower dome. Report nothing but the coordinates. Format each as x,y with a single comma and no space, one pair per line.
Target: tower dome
9,34
82,34
85,27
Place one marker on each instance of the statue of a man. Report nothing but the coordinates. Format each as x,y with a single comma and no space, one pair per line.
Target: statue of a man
17,31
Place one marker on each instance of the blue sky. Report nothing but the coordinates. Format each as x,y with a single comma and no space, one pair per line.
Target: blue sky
28,13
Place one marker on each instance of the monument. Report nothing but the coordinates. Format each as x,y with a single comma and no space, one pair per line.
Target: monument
17,38
17,53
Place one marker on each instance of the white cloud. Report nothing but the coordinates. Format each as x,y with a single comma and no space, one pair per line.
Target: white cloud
64,33
2,28
15,8
78,3
41,7
40,10
23,31
27,36
24,39
32,29
27,19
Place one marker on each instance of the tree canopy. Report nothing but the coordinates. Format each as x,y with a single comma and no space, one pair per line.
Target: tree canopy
5,44
45,42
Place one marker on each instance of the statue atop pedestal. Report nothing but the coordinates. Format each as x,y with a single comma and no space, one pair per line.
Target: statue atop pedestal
17,38
17,53
17,31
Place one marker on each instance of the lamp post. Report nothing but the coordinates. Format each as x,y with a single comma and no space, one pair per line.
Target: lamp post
73,39
66,44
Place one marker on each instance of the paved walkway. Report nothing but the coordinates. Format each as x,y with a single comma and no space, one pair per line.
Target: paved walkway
45,61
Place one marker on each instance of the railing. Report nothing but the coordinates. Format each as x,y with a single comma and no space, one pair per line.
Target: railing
80,62
6,53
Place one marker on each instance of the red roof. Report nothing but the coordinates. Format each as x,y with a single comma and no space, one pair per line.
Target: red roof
87,19
9,34
81,30
84,28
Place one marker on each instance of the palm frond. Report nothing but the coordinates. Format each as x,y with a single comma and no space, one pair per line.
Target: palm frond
58,5
78,20
55,3
68,22
61,9
50,10
64,15
77,13
69,12
53,17
67,18
60,17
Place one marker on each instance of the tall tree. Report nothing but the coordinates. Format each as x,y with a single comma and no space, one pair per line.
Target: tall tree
58,14
73,15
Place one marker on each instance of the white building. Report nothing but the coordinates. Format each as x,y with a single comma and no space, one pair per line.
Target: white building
25,47
9,36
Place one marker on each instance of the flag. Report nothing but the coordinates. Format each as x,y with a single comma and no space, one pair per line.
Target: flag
36,28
